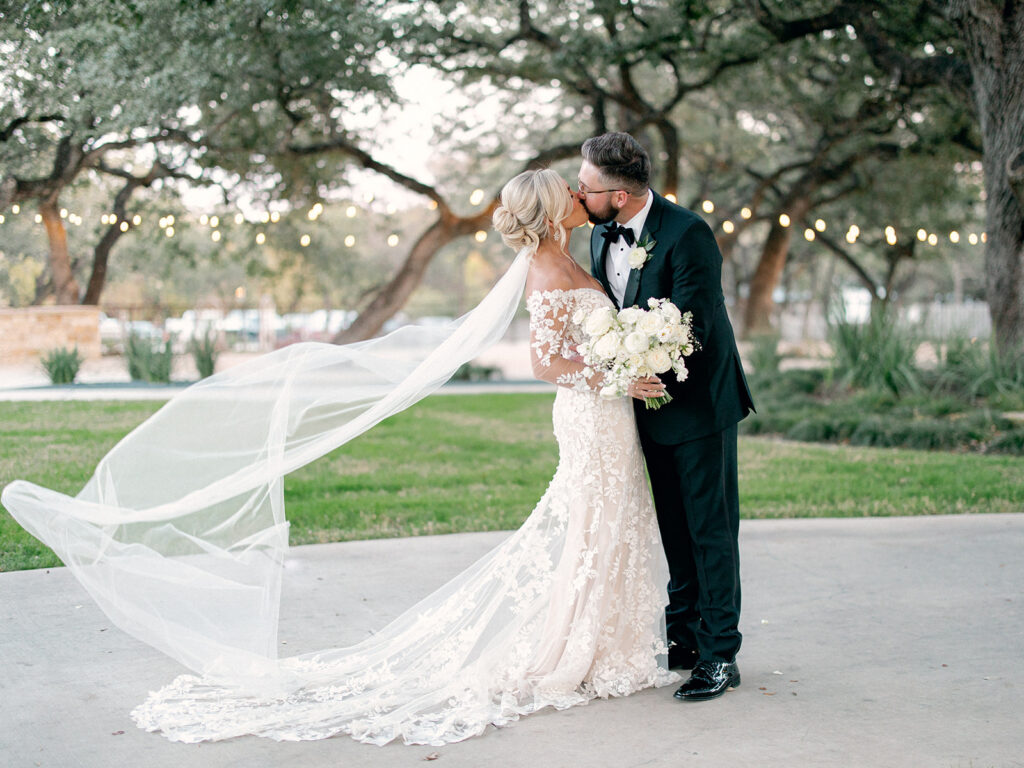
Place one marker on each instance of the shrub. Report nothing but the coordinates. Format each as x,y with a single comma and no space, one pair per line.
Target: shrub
764,356
149,359
204,353
877,355
470,372
62,365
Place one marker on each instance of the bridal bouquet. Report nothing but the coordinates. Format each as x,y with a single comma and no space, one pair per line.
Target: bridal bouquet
634,343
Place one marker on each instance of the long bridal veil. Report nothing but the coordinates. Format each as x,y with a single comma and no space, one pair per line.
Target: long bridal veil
180,535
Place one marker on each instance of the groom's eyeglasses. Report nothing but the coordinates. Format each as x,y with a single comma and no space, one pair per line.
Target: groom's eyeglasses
584,191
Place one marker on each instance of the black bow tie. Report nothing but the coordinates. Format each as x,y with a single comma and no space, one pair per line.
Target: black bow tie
614,231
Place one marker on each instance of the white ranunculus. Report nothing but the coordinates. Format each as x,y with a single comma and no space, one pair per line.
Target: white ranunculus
608,346
630,315
637,342
599,321
650,324
637,258
658,360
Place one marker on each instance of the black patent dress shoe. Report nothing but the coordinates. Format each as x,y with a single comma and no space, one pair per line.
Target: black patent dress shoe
681,657
709,680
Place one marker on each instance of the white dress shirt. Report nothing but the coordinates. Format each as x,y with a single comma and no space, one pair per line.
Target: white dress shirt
616,265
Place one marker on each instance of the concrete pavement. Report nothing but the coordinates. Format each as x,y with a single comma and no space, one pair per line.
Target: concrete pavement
868,642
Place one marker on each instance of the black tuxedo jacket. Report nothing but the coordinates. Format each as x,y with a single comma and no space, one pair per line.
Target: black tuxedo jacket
685,266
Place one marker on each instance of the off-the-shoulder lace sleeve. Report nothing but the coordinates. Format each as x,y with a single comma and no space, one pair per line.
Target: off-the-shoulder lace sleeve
552,342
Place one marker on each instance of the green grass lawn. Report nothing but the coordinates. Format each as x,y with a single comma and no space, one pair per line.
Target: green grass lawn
480,462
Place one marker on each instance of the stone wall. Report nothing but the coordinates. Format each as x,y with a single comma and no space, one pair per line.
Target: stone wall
29,333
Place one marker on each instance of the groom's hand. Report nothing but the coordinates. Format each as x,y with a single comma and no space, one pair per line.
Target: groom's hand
650,386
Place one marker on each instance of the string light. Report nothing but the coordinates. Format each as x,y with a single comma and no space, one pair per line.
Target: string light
808,234
746,213
784,219
392,240
922,235
707,206
204,219
304,241
351,211
890,235
260,238
350,240
480,236
275,217
728,227
214,221
933,239
820,225
477,197
239,218
63,213
136,220
671,198
169,231
124,226
215,236
954,236
984,237
972,238
15,209
39,218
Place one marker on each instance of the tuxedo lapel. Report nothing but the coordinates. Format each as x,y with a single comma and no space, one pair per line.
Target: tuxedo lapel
602,272
647,233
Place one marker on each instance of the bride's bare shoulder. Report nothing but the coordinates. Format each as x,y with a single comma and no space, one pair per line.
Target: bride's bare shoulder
548,274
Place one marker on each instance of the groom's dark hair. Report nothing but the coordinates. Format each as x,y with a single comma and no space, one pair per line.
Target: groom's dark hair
620,159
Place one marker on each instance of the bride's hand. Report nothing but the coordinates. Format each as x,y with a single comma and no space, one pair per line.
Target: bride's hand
642,389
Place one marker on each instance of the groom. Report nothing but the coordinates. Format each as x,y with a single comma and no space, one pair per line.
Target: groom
690,443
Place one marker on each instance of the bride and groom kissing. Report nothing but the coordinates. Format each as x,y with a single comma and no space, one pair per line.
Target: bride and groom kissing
181,535
688,444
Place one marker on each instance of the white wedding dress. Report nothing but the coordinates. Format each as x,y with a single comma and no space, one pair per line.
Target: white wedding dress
569,608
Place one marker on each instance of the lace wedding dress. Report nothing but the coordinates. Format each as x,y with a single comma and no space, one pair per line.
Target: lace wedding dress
569,608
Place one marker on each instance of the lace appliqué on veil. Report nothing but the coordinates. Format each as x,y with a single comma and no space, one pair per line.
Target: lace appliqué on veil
567,609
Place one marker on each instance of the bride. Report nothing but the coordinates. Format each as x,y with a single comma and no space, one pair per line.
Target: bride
567,609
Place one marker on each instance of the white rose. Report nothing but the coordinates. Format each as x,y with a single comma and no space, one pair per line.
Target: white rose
671,312
579,316
668,333
636,363
636,342
630,315
637,258
599,321
608,346
658,360
651,323
609,391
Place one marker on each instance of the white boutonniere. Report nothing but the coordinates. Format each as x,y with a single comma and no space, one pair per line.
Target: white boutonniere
641,253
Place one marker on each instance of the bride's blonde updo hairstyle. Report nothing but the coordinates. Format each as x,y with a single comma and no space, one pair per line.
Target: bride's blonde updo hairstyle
530,204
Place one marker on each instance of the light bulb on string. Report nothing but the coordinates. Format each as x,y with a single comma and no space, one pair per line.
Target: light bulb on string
350,240
260,238
480,236
746,213
784,220
304,241
933,239
477,197
954,236
728,227
707,206
392,240
820,225
809,234
890,235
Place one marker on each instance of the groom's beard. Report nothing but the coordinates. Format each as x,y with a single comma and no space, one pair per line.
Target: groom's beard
603,216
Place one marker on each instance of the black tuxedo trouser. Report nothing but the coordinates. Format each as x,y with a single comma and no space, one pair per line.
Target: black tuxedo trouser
697,500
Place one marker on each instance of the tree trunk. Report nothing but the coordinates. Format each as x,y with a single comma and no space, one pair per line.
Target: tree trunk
392,297
65,285
757,318
994,36
100,259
